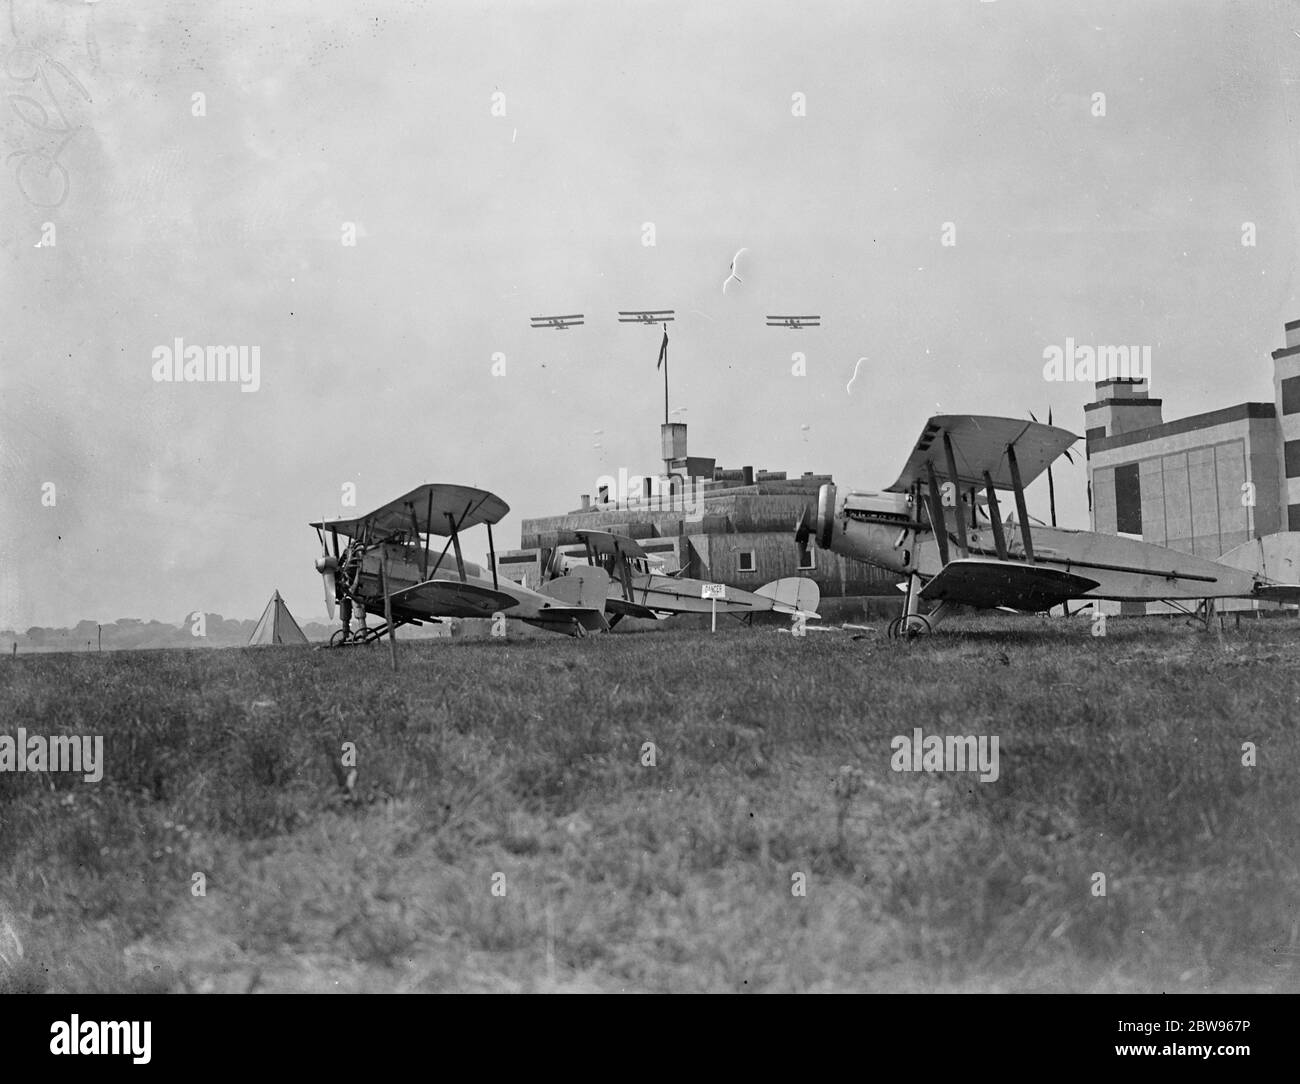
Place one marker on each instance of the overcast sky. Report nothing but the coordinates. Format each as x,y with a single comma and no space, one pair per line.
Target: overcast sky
376,359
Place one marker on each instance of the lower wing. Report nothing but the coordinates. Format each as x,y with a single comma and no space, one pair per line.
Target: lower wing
448,598
985,583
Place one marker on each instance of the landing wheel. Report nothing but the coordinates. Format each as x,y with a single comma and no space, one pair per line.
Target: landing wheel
340,638
909,627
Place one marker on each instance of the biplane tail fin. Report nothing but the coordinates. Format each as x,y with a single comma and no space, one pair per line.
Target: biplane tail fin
793,595
1274,559
1275,562
582,593
584,585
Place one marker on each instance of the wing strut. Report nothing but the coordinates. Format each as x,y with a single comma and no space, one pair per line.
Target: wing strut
492,559
1022,513
995,517
936,513
415,535
428,517
455,541
625,575
956,485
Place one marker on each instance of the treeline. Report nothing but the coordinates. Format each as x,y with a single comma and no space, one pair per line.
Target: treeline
132,634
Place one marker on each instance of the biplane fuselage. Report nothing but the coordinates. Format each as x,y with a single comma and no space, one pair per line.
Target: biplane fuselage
1123,568
637,591
653,595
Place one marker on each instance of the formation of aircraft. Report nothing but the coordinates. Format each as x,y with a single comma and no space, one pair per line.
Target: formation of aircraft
387,566
939,525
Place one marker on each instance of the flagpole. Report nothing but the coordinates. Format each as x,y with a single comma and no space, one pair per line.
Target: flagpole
665,374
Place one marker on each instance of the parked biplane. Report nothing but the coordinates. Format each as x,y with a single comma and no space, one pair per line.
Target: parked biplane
637,589
388,563
939,525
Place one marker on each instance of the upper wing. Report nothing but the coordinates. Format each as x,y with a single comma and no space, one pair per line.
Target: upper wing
979,444
607,542
434,508
451,598
985,582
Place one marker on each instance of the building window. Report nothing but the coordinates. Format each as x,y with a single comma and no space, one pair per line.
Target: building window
1291,395
807,560
745,561
1128,499
1293,517
1292,451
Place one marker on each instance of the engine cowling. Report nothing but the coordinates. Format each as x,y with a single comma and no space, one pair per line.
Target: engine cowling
824,529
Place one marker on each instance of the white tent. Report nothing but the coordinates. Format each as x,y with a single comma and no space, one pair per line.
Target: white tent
277,625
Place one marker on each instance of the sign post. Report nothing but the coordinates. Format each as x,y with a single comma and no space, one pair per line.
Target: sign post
713,591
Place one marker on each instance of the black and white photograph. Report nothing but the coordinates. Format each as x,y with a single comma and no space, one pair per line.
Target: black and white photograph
566,497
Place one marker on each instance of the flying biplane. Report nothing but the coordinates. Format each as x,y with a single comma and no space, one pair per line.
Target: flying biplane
649,316
636,589
387,563
939,525
559,323
794,322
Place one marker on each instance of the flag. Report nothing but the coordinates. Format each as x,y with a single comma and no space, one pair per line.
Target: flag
663,350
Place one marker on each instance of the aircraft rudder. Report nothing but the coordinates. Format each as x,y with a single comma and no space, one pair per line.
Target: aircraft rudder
792,595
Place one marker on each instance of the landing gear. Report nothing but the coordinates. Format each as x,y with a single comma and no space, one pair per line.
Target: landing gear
909,627
913,623
344,638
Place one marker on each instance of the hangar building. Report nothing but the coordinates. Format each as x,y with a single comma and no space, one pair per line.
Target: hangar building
725,526
1203,484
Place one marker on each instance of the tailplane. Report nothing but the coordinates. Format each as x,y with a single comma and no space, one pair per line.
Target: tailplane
793,595
583,585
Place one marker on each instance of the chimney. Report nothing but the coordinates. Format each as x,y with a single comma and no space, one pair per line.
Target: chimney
586,502
748,475
1121,406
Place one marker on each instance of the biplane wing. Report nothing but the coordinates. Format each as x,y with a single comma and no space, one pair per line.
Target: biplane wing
1278,592
979,444
450,598
604,543
434,508
987,583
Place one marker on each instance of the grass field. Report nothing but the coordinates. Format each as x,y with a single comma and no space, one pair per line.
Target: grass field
1119,755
